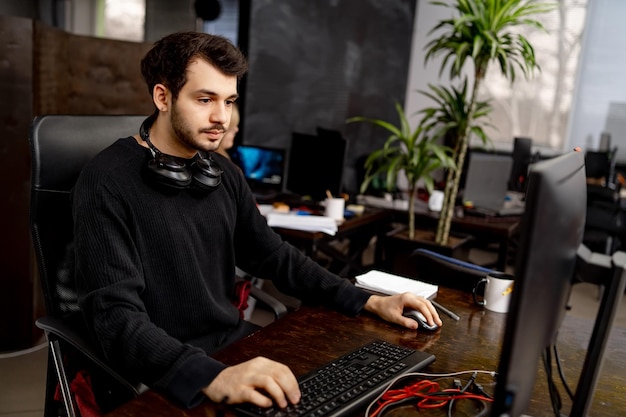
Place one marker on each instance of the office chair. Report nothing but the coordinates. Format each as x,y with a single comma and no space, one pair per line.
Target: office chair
605,226
60,146
601,165
447,271
522,156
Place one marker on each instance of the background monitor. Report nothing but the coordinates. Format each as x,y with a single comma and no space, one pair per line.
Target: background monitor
263,167
522,156
486,180
328,133
315,165
551,232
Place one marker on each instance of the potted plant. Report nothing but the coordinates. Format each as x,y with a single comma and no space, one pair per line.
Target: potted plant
412,152
482,32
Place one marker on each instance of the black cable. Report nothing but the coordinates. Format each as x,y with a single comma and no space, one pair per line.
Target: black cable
457,385
484,411
555,397
561,374
480,390
463,389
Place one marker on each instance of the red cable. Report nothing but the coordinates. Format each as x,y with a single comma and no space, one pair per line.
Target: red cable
424,390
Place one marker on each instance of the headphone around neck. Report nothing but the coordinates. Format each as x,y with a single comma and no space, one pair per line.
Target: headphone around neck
171,171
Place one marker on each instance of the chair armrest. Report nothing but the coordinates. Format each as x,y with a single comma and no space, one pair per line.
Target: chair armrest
444,270
70,330
264,298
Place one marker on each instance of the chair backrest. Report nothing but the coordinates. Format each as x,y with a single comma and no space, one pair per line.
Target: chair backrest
601,164
522,155
60,146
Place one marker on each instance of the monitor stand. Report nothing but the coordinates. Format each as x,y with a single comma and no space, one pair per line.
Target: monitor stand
607,271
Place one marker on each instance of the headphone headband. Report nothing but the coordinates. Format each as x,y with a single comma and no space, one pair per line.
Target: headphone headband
203,173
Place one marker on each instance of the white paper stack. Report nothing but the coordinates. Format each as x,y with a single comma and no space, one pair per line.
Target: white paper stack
307,223
386,283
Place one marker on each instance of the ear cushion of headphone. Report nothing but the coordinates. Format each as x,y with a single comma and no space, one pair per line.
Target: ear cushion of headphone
169,171
207,174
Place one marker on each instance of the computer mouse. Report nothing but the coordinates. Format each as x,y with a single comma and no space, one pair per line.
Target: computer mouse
420,319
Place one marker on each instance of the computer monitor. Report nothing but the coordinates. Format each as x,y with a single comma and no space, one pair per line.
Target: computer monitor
328,133
263,167
315,165
551,232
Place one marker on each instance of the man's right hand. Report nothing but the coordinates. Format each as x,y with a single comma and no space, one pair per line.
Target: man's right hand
242,383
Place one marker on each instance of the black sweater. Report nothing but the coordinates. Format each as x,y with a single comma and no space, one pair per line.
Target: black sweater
155,269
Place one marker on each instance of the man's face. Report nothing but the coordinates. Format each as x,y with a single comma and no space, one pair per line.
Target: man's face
201,113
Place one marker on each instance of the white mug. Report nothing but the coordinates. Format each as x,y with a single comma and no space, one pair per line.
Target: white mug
435,201
335,208
498,289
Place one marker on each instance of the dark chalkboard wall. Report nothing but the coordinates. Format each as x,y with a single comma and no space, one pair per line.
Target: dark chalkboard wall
316,63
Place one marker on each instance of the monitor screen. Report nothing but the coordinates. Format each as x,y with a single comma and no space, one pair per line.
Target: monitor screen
315,165
551,232
262,167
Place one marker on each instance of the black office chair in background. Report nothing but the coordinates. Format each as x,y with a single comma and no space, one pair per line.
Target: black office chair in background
601,165
522,158
60,146
605,226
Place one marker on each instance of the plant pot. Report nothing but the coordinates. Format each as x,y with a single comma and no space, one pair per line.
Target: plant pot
397,248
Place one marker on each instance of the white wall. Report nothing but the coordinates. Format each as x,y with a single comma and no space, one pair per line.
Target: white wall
426,17
602,76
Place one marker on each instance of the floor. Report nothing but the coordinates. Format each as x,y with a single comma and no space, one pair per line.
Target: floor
22,374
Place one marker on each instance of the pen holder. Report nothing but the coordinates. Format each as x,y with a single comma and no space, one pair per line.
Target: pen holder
497,293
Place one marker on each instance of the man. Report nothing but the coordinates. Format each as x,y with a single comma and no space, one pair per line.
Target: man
156,255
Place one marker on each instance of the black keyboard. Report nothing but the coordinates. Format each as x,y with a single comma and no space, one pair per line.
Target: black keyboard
348,383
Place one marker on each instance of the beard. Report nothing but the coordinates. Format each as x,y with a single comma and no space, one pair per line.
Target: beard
186,134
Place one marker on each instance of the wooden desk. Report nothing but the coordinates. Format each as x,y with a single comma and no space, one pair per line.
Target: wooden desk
311,336
358,229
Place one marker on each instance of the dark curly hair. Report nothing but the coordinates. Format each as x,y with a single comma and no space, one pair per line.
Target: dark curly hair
166,63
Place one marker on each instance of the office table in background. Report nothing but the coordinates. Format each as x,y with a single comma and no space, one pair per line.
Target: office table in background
312,336
359,230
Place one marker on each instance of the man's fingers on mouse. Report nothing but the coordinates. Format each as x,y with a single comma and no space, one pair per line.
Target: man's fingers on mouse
409,323
434,315
429,311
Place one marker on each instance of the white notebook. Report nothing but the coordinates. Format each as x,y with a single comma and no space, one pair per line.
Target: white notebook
307,223
386,283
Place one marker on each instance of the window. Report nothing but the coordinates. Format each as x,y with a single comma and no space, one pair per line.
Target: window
121,19
539,108
227,24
